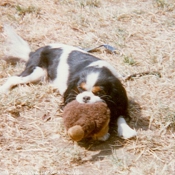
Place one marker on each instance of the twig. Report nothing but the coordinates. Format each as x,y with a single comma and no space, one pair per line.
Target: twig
129,77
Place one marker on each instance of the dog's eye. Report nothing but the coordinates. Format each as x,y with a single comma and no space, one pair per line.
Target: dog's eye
97,90
99,93
80,89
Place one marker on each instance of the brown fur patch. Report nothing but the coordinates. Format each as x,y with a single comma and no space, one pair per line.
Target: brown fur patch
97,90
83,86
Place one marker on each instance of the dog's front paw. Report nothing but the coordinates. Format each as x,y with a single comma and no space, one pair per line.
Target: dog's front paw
104,138
126,132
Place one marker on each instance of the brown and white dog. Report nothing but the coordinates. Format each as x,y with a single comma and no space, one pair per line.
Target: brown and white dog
75,73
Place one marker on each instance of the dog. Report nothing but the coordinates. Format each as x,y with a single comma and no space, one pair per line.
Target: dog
76,74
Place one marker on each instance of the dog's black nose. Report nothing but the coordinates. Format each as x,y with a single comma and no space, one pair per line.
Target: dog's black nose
86,99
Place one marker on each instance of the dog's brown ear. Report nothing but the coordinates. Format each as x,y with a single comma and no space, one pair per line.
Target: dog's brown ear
76,133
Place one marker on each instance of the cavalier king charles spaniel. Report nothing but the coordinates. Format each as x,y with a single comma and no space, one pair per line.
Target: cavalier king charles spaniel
76,74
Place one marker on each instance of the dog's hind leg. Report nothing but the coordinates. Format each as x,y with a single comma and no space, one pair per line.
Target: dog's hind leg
26,77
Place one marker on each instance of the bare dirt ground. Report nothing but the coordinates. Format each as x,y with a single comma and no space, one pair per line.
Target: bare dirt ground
33,140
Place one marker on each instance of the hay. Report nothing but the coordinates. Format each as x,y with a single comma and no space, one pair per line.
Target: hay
32,136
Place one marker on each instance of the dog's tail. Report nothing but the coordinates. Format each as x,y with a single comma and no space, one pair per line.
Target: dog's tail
15,49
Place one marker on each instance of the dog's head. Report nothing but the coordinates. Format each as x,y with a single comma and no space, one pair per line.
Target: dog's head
92,85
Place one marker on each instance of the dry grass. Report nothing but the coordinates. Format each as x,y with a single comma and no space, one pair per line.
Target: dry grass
32,137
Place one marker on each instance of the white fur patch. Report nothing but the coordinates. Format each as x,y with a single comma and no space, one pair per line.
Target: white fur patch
35,76
91,79
62,71
124,131
101,63
92,98
60,82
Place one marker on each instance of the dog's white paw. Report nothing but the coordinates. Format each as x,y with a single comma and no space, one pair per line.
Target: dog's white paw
104,138
126,132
